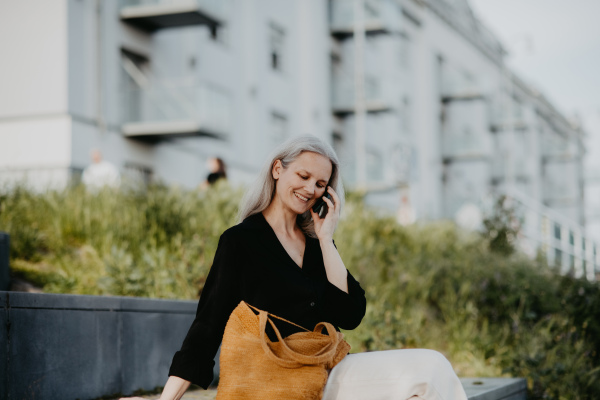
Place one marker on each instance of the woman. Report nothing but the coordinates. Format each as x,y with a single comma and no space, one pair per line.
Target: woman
217,169
282,259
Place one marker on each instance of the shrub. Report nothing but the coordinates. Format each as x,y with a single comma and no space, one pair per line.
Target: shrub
491,310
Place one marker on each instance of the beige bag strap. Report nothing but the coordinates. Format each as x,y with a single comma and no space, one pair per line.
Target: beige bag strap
297,359
275,316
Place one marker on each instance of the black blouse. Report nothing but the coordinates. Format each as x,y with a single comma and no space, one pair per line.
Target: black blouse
252,265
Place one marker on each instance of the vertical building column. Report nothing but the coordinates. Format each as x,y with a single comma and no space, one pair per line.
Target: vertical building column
359,94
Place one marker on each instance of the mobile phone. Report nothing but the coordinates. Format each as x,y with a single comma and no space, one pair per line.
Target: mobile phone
320,206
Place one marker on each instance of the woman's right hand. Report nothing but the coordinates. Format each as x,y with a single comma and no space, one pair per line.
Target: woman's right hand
174,390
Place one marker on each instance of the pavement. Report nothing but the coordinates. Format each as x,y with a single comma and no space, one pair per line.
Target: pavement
476,389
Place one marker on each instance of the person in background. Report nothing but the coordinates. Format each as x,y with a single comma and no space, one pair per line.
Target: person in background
217,169
100,173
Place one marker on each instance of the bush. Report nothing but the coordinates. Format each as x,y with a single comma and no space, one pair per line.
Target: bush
493,313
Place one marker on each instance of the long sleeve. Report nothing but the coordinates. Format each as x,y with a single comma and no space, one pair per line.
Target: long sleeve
221,294
345,310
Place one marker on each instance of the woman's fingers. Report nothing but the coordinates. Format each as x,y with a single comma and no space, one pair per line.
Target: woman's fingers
336,198
330,203
315,216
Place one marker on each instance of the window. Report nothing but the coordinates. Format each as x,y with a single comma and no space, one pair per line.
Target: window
135,69
401,162
219,34
215,109
278,128
557,231
276,47
405,115
134,79
557,257
374,165
404,52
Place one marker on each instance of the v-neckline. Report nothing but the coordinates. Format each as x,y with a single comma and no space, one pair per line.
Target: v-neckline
285,253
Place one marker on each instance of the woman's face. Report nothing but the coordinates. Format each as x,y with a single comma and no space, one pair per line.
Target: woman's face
212,164
303,182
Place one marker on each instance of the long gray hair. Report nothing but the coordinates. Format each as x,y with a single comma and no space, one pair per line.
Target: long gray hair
261,193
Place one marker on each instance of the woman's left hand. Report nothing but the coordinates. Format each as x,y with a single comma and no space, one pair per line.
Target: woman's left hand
325,227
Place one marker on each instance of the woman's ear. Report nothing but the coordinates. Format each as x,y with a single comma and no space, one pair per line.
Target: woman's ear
276,170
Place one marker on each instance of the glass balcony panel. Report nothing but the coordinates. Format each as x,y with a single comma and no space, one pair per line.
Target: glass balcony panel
555,146
458,83
465,145
205,105
376,17
465,131
343,93
560,181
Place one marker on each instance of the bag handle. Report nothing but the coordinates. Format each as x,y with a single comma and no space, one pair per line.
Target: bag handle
273,315
296,359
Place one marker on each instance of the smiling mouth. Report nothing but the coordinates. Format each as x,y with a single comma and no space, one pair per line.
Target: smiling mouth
305,199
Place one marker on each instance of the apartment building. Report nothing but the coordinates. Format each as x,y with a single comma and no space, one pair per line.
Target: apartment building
158,86
414,95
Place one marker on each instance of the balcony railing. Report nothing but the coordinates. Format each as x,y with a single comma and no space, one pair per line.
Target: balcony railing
562,241
457,86
161,111
559,149
376,17
151,15
465,146
343,95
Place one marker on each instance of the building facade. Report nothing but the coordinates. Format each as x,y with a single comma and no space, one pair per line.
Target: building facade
413,94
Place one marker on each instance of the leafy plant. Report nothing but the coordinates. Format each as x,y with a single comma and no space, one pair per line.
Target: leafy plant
488,308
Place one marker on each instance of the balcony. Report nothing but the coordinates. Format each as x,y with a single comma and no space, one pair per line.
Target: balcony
561,183
465,133
343,96
152,15
467,147
509,115
156,113
458,85
376,18
559,149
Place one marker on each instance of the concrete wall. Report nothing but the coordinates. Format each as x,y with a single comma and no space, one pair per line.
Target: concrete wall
36,151
34,66
84,347
33,98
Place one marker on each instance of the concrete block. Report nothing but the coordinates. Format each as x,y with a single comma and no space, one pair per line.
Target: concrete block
64,301
495,388
149,341
63,354
55,346
158,305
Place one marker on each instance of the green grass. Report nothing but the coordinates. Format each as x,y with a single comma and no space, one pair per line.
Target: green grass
428,286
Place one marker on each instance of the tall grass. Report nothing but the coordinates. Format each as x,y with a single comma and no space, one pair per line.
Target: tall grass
430,286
